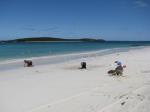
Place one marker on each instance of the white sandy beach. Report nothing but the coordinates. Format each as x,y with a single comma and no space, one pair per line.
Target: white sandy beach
65,88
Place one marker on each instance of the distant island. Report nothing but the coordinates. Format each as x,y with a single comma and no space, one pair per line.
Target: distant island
51,39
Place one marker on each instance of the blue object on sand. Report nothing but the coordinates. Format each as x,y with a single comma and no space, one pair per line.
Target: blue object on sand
118,62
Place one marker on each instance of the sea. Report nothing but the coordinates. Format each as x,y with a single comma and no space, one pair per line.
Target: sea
13,54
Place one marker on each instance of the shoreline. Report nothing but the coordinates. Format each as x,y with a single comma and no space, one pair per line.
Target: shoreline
16,52
61,58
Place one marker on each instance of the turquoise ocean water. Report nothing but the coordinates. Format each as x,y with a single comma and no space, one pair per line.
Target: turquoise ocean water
54,52
10,51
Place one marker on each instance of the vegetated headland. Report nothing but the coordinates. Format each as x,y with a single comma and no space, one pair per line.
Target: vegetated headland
52,39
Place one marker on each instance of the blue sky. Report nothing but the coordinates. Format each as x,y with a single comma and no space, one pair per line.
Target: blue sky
107,19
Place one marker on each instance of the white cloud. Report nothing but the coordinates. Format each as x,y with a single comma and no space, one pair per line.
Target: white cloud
141,3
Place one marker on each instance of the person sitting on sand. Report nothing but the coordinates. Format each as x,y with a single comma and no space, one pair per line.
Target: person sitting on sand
28,63
118,70
83,65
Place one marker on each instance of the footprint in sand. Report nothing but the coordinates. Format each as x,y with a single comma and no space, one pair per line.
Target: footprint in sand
146,71
141,97
123,103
